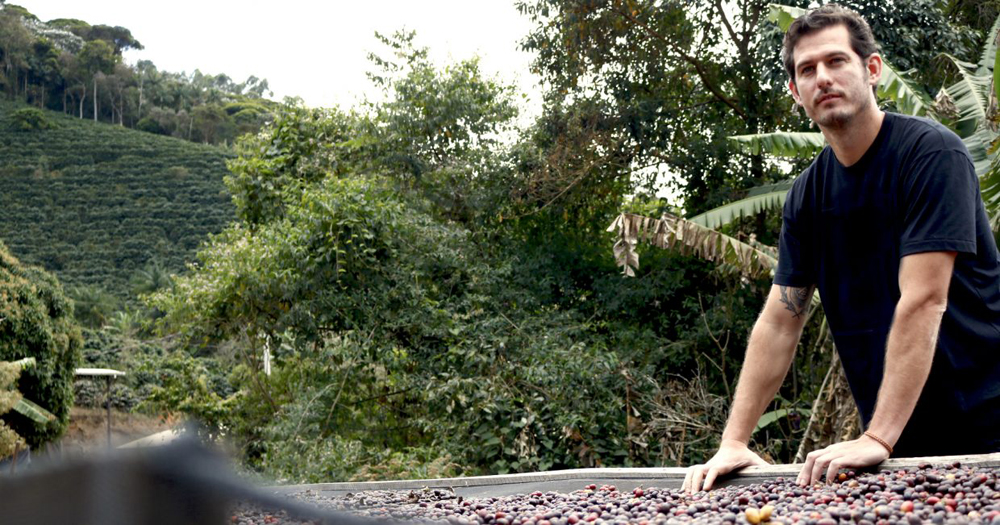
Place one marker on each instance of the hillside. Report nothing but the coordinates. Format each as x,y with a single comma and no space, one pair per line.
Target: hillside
95,202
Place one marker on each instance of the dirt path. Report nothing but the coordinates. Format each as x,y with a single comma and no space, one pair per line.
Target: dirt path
87,430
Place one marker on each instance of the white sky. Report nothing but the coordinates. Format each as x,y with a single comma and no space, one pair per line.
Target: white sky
312,49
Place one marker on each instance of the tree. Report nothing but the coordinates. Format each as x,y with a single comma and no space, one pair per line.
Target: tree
211,121
15,46
118,37
44,68
97,58
118,88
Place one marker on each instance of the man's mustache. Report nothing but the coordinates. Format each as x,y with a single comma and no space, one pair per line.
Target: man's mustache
819,98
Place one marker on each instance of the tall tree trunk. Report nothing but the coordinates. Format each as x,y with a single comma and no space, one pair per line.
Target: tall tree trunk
141,78
95,97
83,96
121,106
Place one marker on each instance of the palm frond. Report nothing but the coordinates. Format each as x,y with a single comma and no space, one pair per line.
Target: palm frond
690,238
33,411
784,185
988,57
989,184
782,143
971,96
747,207
979,144
896,86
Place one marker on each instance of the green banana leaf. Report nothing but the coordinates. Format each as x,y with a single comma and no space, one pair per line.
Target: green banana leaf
970,95
33,411
979,144
909,98
782,143
747,207
783,15
28,408
769,188
988,57
774,415
25,362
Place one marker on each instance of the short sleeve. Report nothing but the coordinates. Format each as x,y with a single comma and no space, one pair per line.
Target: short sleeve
939,196
795,265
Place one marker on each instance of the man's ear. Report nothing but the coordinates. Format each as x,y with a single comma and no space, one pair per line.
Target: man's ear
873,64
795,91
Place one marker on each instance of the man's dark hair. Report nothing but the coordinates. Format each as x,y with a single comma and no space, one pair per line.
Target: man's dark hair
862,41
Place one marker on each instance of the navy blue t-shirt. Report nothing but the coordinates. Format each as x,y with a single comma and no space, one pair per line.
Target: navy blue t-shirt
845,230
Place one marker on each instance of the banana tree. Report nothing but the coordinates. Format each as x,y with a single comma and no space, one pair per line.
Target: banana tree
11,399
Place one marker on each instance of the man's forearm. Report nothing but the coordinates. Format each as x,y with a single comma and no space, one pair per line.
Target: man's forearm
769,354
908,358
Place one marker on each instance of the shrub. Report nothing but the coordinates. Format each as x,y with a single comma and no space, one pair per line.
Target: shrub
29,119
37,321
150,125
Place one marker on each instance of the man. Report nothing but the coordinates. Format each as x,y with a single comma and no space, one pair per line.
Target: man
889,224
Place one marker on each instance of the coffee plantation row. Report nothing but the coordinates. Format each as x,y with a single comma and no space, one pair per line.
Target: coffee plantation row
95,202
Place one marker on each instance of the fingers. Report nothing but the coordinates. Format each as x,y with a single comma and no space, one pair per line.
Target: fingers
692,482
806,473
710,477
832,470
819,466
825,461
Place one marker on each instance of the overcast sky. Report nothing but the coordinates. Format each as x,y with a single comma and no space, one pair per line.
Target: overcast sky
313,49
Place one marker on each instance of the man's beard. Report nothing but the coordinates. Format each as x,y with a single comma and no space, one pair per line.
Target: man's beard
843,116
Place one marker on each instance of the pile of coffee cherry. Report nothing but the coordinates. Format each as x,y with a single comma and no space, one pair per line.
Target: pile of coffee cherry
923,494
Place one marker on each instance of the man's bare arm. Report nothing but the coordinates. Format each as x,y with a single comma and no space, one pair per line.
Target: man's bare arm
769,354
924,279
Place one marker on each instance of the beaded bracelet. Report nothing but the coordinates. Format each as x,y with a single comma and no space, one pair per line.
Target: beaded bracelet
880,441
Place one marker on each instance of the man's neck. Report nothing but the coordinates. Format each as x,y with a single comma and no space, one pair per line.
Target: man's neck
851,141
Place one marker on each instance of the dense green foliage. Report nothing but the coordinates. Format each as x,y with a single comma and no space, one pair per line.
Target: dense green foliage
96,204
408,320
77,68
154,368
36,320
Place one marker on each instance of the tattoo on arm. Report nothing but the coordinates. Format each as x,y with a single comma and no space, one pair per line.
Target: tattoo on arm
796,300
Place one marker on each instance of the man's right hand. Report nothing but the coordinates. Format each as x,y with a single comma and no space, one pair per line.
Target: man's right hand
732,455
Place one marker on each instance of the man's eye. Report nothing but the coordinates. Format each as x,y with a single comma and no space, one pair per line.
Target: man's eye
806,70
838,60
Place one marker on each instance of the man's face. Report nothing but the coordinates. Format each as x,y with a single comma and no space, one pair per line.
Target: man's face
832,83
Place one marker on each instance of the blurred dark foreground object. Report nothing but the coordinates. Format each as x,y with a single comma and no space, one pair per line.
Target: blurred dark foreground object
181,483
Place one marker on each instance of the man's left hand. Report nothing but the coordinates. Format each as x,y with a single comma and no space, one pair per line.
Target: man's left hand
859,453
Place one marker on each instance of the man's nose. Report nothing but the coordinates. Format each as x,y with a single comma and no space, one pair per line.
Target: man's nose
823,78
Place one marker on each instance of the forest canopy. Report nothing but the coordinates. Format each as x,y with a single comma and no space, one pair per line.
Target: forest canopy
75,67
